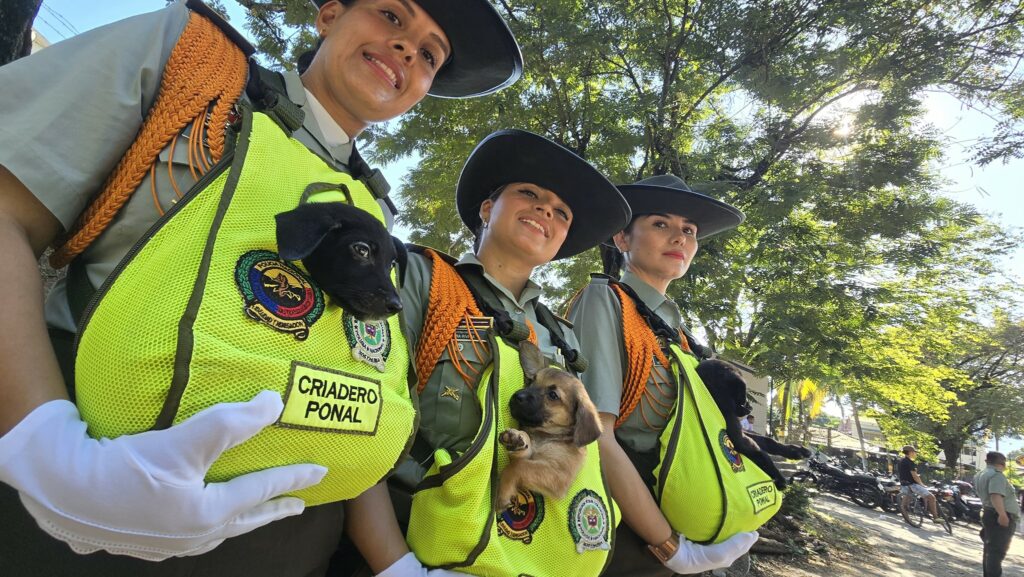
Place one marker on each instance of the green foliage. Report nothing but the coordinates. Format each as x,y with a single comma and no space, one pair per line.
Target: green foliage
850,270
796,502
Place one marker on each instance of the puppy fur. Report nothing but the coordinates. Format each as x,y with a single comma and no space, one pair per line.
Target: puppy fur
347,252
557,419
730,393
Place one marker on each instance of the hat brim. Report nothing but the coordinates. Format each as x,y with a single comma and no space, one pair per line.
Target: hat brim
506,156
710,215
485,56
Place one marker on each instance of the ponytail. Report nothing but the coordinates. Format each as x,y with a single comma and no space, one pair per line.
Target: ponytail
611,259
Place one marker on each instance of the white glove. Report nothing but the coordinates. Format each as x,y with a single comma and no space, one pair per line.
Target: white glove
143,495
410,566
693,558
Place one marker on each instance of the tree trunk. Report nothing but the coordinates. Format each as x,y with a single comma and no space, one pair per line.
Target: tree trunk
952,448
785,410
16,18
860,435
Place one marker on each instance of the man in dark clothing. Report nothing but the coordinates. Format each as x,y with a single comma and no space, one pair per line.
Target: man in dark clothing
910,482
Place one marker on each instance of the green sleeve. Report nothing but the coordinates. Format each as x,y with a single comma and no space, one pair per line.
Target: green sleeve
597,322
415,293
1000,484
69,112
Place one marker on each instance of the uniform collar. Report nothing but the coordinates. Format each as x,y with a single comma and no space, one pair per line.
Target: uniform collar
531,292
297,93
657,302
333,134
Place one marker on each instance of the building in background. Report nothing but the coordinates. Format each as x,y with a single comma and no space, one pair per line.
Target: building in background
759,402
38,41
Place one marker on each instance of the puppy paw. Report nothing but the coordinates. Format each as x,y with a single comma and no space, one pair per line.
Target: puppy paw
504,502
514,440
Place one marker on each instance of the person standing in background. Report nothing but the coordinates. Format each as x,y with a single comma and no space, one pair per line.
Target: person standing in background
1000,515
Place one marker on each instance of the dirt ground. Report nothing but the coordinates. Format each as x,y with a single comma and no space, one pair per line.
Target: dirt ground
883,545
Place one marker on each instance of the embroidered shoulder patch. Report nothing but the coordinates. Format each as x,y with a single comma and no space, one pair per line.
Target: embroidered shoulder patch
729,450
588,521
278,294
370,342
521,519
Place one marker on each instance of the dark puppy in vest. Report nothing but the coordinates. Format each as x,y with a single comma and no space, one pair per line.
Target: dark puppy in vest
558,421
730,393
347,252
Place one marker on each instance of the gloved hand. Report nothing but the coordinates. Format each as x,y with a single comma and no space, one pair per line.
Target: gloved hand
143,495
693,558
410,566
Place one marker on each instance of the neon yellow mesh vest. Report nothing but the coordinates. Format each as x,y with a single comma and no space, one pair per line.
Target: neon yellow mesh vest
707,491
452,522
203,311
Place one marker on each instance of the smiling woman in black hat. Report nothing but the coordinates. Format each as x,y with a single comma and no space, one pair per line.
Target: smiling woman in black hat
617,320
530,201
131,128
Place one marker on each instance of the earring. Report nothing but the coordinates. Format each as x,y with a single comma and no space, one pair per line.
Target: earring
484,224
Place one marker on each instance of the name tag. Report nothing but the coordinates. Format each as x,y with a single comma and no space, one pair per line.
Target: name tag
473,330
331,401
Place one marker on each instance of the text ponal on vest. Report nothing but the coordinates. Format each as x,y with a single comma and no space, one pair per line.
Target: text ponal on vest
762,495
331,401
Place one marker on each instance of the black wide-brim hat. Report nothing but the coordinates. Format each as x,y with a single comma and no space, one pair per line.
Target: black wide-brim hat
485,56
506,156
668,194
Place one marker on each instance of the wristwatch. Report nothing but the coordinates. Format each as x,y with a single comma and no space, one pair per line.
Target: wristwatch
666,550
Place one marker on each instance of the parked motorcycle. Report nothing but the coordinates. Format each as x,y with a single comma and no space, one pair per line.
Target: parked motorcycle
890,493
822,472
965,506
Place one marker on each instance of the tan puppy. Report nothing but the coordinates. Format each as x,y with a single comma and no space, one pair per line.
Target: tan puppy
558,421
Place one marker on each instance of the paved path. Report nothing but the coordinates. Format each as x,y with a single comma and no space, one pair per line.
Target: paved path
896,549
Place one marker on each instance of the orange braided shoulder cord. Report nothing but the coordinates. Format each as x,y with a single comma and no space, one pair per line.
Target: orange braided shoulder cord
641,349
450,302
204,67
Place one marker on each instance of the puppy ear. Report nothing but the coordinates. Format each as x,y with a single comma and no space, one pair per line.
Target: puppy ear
531,359
301,230
588,427
402,258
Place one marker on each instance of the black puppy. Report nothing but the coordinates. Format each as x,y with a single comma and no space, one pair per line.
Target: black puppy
730,393
348,253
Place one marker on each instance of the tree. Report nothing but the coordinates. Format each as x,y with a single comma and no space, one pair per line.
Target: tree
979,369
805,114
16,18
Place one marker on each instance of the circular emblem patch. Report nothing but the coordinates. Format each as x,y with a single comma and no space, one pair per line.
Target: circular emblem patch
370,342
734,458
588,521
520,520
277,294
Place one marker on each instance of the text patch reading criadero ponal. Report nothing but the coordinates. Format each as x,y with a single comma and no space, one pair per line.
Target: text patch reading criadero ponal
332,401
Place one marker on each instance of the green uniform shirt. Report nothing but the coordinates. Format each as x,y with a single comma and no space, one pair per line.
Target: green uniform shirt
597,321
992,482
449,413
69,112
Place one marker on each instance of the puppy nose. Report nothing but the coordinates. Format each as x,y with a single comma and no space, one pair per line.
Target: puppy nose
393,304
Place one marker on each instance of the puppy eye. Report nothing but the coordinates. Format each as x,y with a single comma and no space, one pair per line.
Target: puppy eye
361,250
553,394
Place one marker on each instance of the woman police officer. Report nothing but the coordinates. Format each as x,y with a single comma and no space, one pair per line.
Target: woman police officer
67,115
529,201
657,247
